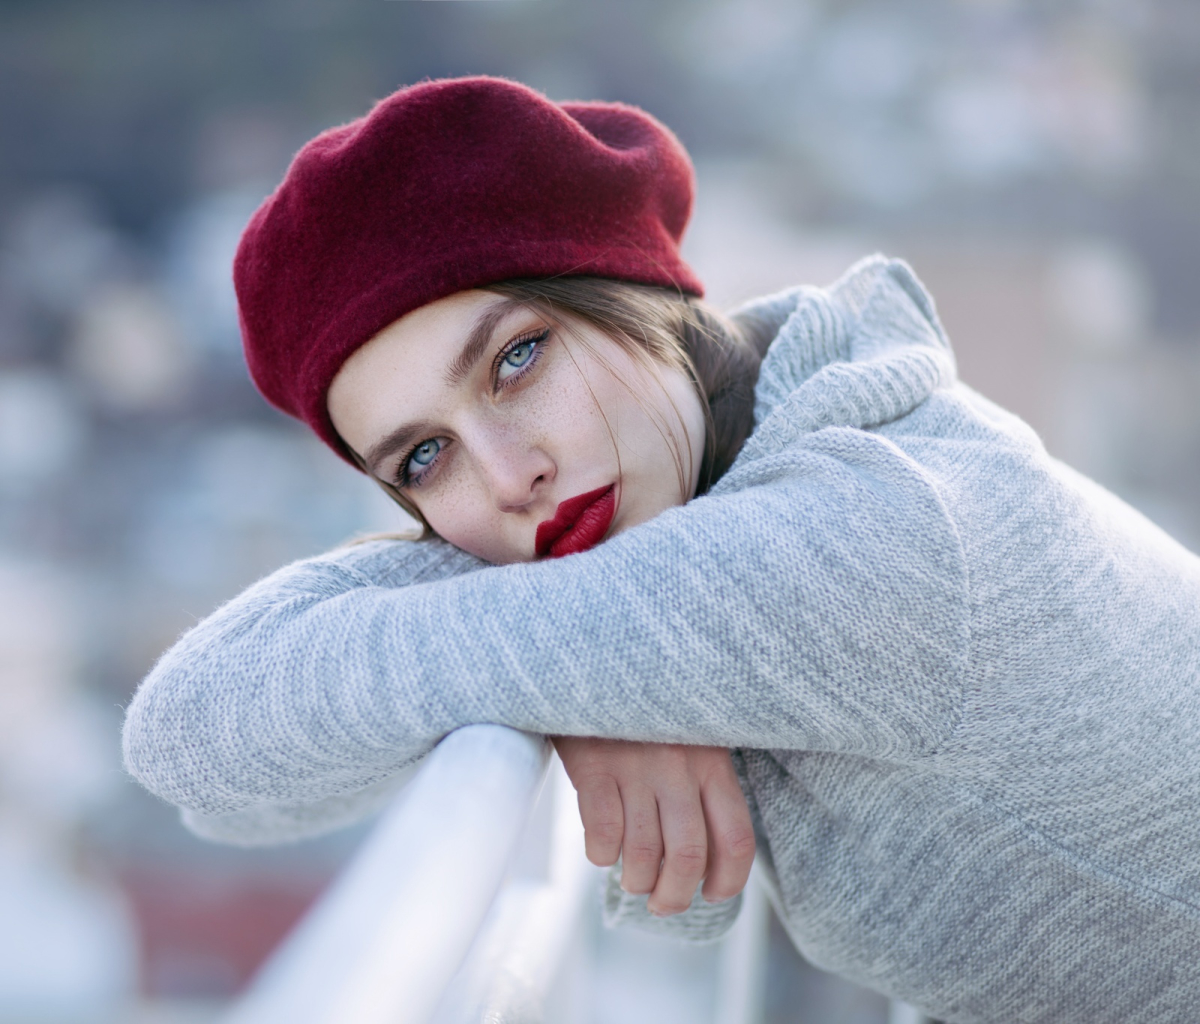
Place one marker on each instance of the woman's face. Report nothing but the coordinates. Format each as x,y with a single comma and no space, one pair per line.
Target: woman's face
516,437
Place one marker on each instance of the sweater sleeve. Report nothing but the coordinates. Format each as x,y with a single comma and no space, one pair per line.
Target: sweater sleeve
817,603
292,816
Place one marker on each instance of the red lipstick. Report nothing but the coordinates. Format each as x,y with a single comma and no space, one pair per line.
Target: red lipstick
578,524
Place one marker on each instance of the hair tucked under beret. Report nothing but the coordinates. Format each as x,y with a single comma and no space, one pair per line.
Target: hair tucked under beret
445,186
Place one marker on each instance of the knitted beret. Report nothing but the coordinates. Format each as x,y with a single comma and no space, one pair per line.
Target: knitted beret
445,186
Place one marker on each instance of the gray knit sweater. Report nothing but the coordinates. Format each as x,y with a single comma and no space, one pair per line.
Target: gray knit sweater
962,681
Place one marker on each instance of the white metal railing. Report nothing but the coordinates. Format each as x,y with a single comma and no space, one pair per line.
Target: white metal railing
383,943
459,908
511,967
902,1013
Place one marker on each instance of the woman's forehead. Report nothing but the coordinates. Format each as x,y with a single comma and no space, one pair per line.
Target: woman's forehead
431,335
408,368
450,316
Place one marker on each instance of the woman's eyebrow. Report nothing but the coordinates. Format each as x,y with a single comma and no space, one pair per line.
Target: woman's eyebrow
397,440
478,340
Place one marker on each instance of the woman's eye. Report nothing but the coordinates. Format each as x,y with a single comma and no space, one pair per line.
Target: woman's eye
423,455
517,357
426,451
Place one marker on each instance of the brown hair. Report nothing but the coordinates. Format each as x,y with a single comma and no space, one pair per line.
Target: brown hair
719,354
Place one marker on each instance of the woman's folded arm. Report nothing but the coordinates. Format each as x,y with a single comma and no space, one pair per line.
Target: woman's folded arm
161,750
819,604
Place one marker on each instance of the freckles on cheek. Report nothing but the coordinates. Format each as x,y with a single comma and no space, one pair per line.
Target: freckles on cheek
459,516
443,510
571,415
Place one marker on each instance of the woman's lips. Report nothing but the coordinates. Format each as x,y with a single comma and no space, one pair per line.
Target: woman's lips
579,523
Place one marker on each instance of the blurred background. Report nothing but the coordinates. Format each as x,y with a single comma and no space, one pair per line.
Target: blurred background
1037,162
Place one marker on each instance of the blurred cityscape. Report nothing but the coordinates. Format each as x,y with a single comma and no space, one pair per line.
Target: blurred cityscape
1037,163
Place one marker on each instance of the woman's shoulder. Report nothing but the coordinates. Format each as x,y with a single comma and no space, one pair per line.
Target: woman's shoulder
861,353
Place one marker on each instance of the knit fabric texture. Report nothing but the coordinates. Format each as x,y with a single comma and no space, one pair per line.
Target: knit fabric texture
445,186
960,680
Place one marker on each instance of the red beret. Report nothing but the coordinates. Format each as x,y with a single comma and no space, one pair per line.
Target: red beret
445,186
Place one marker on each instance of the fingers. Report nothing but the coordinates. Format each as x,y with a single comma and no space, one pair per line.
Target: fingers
593,766
642,848
674,814
685,850
730,833
603,818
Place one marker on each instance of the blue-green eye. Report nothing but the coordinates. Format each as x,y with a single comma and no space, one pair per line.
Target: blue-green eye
422,456
426,452
519,356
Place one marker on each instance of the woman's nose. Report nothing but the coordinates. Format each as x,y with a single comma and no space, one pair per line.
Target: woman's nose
515,471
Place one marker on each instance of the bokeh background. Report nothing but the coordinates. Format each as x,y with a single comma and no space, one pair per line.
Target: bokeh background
1037,161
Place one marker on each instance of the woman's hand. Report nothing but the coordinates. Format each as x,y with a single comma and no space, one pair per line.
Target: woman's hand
675,814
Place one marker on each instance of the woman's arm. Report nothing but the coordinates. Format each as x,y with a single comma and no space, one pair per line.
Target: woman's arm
396,563
819,602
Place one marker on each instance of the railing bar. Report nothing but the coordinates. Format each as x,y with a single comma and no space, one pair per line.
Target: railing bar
902,1013
385,940
523,976
741,971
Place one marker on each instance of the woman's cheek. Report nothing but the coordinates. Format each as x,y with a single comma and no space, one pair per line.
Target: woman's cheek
470,522
576,417
492,546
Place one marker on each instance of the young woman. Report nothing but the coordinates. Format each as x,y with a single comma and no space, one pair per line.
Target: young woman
955,680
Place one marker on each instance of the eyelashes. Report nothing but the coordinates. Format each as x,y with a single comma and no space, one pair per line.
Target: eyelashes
512,363
516,358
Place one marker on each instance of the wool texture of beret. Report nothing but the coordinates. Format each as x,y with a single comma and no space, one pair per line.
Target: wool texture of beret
444,186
